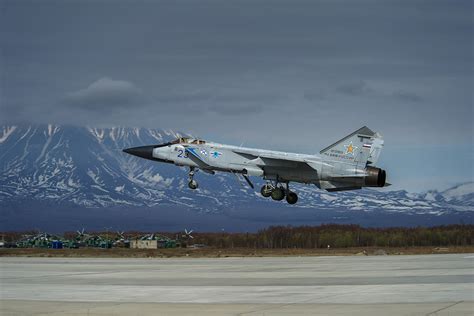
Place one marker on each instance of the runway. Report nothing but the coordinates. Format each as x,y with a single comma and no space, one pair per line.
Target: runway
374,285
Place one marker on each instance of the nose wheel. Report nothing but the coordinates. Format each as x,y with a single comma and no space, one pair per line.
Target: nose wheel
192,184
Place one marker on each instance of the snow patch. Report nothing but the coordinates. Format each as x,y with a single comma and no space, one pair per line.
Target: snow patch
328,197
72,183
94,176
46,145
112,134
459,191
52,129
155,135
120,189
6,132
156,178
98,187
430,196
98,133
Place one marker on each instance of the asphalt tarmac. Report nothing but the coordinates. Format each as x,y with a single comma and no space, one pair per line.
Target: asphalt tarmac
355,285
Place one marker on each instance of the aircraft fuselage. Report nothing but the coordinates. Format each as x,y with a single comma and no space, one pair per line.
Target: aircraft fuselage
345,165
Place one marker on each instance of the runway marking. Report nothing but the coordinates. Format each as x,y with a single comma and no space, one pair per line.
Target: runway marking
442,309
66,274
269,307
469,257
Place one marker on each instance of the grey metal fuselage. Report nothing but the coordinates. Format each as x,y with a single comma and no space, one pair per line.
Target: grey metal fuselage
345,165
221,157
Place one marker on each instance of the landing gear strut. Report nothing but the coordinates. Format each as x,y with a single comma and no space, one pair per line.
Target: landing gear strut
192,184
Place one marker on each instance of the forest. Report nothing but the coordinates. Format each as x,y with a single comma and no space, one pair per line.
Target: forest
341,236
302,237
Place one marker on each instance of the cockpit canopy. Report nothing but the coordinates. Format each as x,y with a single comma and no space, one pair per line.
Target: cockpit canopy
188,140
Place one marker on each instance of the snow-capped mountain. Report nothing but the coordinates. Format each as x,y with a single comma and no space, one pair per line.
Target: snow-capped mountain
85,167
462,194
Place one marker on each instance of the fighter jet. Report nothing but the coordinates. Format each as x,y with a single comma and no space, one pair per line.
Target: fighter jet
348,164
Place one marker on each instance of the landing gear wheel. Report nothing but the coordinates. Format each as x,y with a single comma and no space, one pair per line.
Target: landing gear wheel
291,197
193,184
266,190
278,194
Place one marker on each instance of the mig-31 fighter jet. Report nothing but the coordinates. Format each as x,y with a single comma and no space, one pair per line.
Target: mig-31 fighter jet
348,164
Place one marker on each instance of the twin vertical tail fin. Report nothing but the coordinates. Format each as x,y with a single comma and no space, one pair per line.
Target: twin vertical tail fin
362,147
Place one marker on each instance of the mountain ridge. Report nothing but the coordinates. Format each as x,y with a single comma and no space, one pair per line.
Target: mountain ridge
85,167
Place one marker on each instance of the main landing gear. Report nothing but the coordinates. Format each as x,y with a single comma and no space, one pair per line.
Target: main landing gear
278,192
192,184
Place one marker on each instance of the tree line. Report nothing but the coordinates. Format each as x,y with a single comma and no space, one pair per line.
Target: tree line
341,236
333,235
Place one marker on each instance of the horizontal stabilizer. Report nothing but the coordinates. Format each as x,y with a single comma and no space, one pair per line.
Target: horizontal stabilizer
334,186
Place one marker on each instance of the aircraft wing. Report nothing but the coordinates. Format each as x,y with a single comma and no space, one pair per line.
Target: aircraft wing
264,158
272,162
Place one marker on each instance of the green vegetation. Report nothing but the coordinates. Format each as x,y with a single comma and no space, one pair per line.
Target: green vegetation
341,236
301,237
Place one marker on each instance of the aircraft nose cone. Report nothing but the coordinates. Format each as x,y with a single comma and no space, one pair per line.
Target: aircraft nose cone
142,151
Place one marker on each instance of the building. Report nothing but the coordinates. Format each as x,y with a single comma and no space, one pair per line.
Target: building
144,244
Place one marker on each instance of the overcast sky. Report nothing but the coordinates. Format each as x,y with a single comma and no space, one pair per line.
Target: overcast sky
287,75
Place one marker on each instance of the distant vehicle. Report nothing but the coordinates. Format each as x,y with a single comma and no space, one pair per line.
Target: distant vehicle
10,245
197,246
348,164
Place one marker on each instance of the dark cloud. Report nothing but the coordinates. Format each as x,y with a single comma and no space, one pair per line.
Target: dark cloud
237,110
184,97
354,88
105,93
407,96
279,74
313,95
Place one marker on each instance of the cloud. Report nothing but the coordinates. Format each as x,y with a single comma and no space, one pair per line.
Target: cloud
290,78
407,96
313,96
226,102
236,110
354,88
105,93
185,97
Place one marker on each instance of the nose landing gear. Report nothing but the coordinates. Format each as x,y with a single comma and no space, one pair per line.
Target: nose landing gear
192,184
278,193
